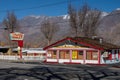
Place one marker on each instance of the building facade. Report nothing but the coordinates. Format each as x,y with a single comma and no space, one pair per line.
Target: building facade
82,50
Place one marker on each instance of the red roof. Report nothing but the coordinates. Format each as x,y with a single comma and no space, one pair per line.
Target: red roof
84,41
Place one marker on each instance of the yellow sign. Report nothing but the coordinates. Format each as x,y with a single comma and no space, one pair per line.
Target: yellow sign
69,46
74,54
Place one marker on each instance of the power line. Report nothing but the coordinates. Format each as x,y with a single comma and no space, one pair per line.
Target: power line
46,5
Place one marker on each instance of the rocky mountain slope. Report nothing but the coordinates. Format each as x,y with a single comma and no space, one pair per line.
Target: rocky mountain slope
30,26
109,27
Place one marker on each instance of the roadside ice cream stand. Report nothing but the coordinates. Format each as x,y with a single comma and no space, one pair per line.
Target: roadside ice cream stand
18,37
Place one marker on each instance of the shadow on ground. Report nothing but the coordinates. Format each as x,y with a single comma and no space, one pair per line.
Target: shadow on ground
58,73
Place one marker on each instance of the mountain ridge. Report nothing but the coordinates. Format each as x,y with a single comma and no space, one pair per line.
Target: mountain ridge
109,27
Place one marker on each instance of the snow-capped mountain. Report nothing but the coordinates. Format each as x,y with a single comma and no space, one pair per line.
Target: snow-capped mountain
103,14
108,28
66,17
118,9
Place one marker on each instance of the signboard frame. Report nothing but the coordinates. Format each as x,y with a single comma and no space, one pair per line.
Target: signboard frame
16,36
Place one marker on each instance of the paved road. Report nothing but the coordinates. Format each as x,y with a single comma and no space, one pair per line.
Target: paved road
38,71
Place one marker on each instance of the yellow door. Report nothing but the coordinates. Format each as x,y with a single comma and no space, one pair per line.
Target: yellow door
74,54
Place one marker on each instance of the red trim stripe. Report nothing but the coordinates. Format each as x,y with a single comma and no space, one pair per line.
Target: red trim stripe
80,42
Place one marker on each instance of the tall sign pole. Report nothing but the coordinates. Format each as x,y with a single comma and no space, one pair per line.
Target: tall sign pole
18,37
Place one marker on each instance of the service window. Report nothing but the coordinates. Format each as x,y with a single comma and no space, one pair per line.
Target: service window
95,55
88,55
80,54
64,54
91,55
52,54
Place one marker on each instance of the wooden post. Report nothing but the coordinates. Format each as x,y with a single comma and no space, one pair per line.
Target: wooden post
70,56
46,56
114,55
84,56
99,57
110,56
20,52
91,56
118,54
58,56
20,44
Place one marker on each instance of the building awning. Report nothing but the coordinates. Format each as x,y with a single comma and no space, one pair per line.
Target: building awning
32,51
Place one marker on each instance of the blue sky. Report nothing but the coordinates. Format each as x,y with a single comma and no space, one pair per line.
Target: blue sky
24,8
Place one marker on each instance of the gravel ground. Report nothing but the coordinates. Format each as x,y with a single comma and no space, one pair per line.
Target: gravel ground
40,71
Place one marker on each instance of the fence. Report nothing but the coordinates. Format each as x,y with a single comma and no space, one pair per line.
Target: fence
27,58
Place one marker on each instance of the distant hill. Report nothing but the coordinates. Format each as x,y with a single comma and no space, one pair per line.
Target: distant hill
109,27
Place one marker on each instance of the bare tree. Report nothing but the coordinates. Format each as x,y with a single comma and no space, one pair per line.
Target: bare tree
49,29
91,22
11,25
73,19
82,18
84,21
10,22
